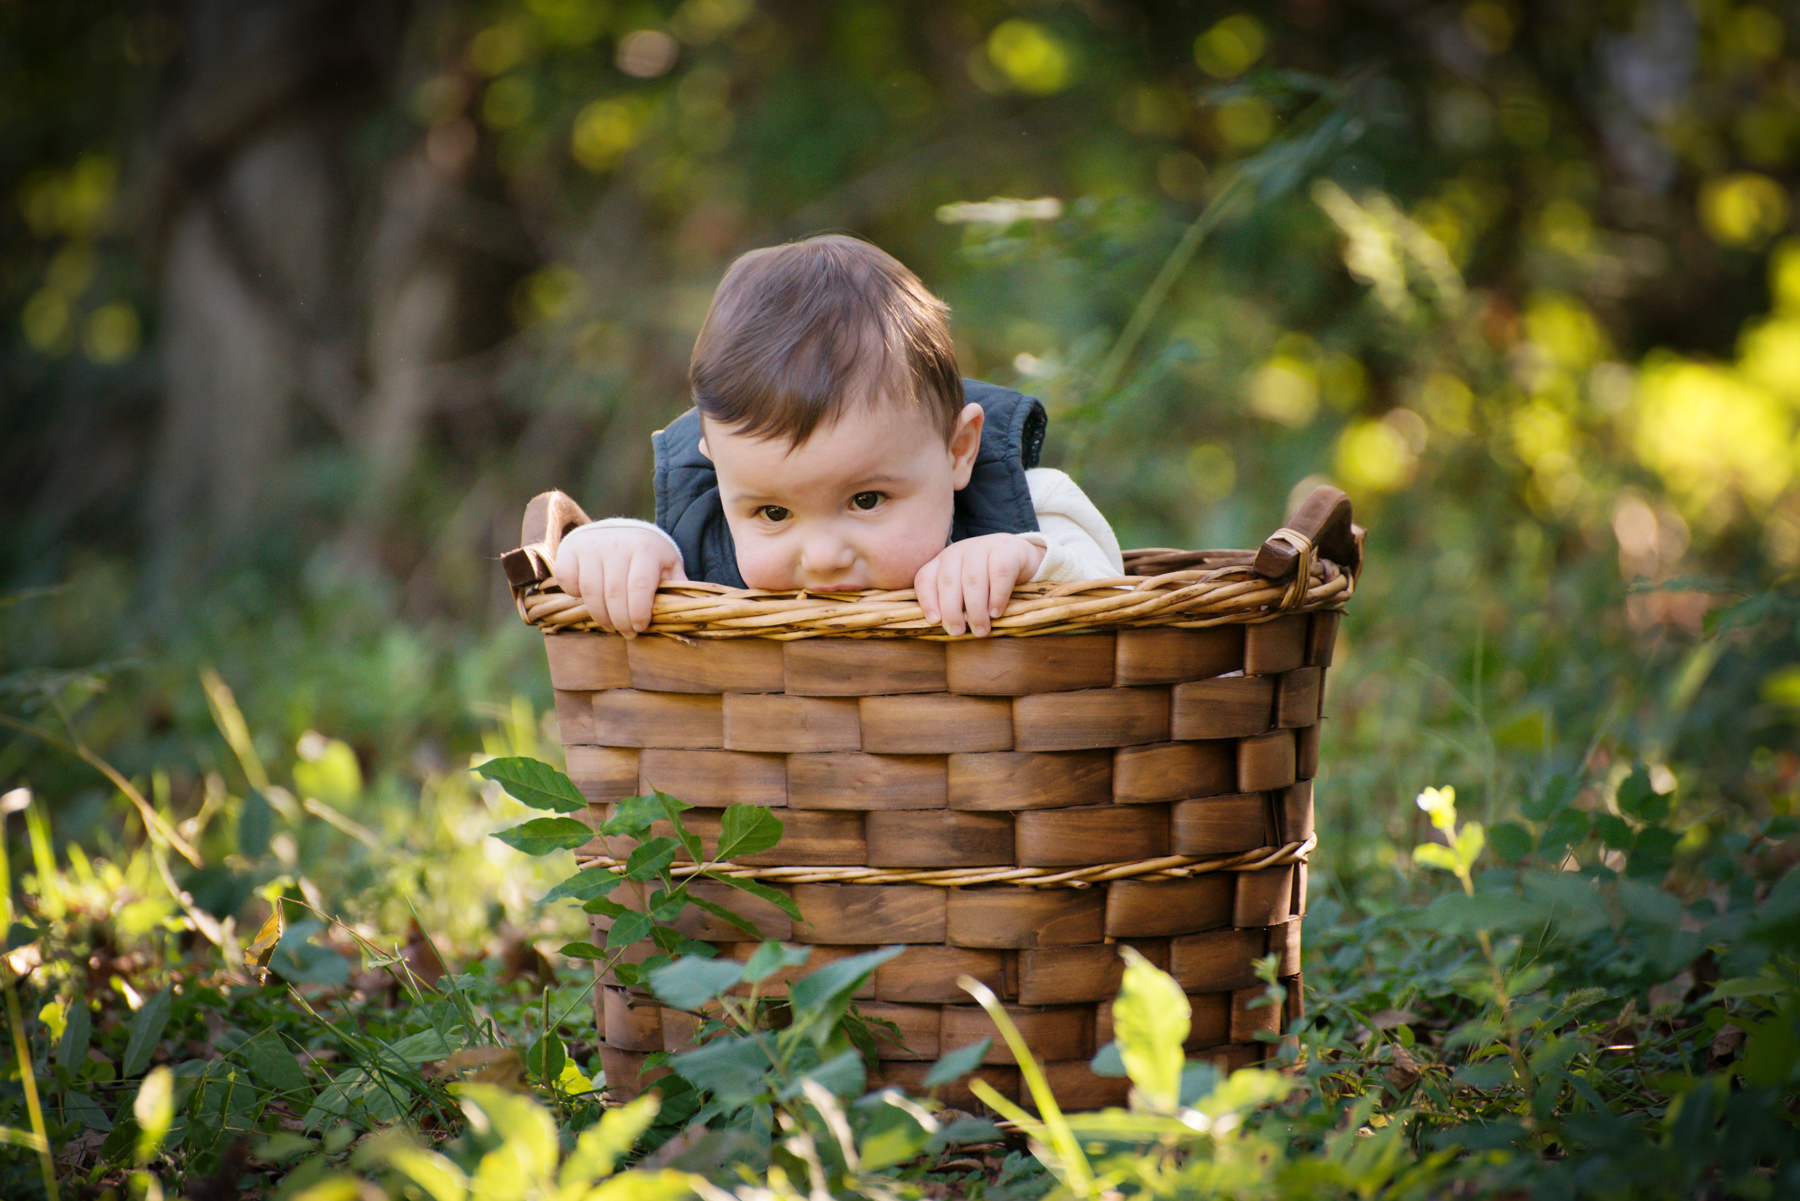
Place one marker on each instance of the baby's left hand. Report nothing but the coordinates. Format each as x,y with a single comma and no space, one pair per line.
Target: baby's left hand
969,582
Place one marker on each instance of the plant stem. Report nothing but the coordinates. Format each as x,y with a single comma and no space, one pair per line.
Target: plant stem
29,1078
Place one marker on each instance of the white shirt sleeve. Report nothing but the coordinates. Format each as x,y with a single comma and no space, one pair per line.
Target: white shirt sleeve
631,523
1078,542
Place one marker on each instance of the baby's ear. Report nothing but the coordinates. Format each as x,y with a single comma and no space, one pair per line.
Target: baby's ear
703,449
965,443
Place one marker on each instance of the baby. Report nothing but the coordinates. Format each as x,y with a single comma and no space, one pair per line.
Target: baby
834,447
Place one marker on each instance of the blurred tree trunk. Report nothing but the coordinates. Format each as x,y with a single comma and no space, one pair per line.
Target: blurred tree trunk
306,296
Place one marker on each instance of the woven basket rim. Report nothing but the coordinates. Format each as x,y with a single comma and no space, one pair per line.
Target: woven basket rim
1160,586
1227,592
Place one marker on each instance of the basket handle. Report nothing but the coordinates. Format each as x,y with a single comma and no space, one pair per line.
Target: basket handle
1323,522
548,517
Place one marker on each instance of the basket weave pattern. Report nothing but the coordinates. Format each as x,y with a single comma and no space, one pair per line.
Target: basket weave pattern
1123,761
1007,807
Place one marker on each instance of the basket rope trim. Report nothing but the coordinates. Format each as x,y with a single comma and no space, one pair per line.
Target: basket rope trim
1184,598
1166,867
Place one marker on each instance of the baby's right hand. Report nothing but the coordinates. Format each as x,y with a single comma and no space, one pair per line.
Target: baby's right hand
615,570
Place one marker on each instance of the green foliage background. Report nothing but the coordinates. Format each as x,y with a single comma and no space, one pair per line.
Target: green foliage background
301,301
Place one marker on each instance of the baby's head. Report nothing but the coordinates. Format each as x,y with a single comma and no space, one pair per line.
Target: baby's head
833,410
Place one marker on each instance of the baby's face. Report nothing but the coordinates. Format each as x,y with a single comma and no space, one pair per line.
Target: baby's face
860,504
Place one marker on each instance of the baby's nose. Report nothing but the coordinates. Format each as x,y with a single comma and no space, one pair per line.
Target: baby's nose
821,555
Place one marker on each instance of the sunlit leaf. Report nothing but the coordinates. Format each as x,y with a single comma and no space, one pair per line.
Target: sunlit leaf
145,1030
747,830
536,784
546,835
1151,1019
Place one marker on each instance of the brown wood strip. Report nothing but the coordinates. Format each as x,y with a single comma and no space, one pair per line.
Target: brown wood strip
927,975
1252,1013
1297,906
863,666
626,717
1267,761
1284,940
764,722
603,773
1296,997
1006,780
935,723
1226,707
1070,975
575,718
1093,717
918,1037
1018,666
1264,898
1220,825
1004,918
1294,804
1084,835
695,922
809,838
1163,908
1216,960
1227,1058
625,1071
713,779
587,662
1173,771
631,1027
715,665
1175,656
1321,637
853,780
1306,752
869,913
1298,696
1077,1088
680,1031
1063,1032
938,838
1272,647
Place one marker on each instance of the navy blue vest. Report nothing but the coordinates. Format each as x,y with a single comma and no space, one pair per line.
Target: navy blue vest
996,500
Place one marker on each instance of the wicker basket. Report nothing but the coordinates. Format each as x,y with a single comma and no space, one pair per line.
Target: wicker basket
1124,761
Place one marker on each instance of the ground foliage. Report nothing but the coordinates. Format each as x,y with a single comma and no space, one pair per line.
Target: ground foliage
1521,277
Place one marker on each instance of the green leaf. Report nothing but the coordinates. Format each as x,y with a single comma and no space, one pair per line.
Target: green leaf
1151,1019
957,1064
747,830
584,885
735,1068
545,1058
153,1108
272,1065
892,1136
757,888
1652,852
605,907
545,835
820,998
627,930
633,815
72,1051
536,784
1638,798
843,1075
691,982
1613,830
771,957
649,860
1568,827
1432,854
146,1029
581,950
672,809
1510,841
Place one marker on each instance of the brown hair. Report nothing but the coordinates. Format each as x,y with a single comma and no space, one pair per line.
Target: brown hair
798,333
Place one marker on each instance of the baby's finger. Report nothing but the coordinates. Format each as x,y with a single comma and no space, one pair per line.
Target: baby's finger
1002,577
617,599
925,586
975,594
645,574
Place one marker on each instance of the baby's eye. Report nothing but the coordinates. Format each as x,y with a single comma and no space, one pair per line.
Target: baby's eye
772,513
867,500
